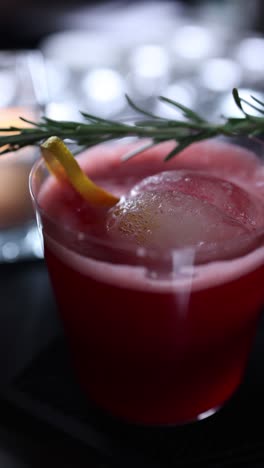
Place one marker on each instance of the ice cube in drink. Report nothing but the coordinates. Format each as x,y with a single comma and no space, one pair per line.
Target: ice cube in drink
175,209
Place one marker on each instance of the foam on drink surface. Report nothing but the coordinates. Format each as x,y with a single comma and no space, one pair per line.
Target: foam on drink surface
210,194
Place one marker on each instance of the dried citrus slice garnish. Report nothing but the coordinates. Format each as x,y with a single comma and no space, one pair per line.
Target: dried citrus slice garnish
62,163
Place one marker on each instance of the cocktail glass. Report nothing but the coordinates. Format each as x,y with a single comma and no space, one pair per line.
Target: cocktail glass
156,335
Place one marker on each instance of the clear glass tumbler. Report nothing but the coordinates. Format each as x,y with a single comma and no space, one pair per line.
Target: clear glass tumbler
158,335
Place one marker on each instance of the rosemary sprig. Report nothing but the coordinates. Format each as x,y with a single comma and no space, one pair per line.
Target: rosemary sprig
96,130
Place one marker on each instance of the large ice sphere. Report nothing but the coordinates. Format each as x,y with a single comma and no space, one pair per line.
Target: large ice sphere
180,208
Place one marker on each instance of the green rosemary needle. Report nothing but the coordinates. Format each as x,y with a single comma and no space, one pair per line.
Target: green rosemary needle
95,130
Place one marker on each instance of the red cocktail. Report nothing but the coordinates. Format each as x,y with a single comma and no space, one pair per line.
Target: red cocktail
160,296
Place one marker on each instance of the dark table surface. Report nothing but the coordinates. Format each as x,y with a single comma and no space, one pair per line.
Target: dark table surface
44,419
28,324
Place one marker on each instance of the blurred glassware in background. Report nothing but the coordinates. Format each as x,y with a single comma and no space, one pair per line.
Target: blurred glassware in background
150,48
192,44
104,91
81,49
220,75
227,107
20,95
249,53
148,70
180,91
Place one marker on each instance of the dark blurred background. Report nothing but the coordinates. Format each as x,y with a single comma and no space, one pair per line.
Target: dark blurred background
23,23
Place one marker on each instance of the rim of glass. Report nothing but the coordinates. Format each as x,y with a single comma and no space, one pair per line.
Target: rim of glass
250,241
